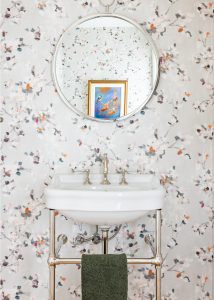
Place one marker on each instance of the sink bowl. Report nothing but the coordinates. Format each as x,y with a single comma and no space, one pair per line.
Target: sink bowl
99,204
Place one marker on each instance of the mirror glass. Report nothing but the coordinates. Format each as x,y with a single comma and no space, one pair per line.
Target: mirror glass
105,67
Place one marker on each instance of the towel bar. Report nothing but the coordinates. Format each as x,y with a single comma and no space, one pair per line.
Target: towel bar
53,261
133,261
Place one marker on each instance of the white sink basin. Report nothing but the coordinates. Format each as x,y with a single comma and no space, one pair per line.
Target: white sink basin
104,204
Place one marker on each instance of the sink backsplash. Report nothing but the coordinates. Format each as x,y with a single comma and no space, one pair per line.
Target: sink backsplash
171,138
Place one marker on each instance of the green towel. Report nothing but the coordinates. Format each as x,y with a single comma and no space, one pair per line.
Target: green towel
104,277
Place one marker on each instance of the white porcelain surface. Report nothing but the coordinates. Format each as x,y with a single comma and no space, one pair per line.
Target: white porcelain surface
104,204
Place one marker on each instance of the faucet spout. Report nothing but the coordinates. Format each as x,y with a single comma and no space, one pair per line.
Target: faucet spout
105,170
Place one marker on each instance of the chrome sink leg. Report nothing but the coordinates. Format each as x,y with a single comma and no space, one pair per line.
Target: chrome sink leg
158,282
105,231
158,254
52,267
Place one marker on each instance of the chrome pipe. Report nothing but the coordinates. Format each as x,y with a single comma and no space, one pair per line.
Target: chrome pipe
76,261
105,231
158,254
52,267
95,237
158,282
52,282
158,232
146,261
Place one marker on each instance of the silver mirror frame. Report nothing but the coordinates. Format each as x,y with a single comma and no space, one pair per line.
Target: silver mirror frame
88,18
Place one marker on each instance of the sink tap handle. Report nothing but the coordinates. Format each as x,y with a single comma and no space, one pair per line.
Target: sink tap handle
62,240
87,179
123,179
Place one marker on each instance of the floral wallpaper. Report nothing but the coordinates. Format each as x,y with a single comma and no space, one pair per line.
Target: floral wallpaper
172,137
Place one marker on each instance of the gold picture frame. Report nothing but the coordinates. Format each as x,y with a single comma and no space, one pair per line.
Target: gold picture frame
107,99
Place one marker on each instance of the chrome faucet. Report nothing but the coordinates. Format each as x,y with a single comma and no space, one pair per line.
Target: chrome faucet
105,169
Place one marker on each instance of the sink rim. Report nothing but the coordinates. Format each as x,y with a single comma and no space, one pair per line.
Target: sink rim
105,204
101,201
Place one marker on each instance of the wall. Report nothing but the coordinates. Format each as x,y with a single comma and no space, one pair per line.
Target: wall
171,137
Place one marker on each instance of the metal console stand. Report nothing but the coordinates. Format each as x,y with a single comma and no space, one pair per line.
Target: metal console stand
53,260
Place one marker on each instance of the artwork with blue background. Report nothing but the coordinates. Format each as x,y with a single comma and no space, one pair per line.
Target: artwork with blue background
107,102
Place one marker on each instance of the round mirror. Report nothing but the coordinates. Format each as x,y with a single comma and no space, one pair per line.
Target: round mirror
105,67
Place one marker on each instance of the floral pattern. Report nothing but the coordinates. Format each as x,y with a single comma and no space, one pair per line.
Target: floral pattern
172,137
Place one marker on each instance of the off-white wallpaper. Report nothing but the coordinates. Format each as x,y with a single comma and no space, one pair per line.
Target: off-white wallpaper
171,137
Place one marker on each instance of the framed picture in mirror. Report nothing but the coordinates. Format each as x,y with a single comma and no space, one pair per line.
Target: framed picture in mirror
107,99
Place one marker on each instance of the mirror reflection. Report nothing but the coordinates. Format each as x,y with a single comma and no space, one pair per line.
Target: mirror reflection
105,68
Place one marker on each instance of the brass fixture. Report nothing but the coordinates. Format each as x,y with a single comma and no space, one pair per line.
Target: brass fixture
123,179
87,179
53,261
105,170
